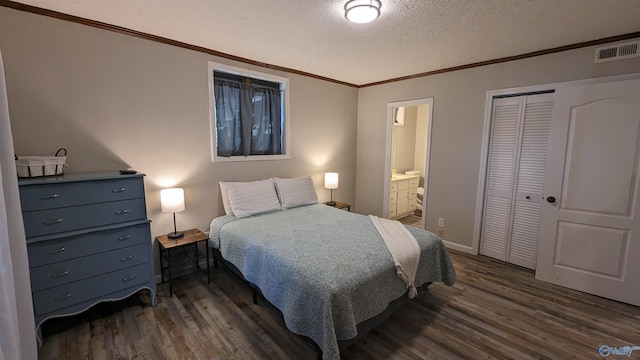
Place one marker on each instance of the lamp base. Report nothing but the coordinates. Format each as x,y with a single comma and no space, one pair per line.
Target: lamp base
175,235
331,203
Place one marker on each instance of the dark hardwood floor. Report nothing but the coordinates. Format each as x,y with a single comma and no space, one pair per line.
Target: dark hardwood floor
413,220
494,311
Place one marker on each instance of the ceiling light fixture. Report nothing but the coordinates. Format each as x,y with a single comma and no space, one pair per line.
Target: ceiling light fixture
362,11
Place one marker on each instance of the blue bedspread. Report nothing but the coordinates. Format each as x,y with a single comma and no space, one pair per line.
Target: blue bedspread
325,269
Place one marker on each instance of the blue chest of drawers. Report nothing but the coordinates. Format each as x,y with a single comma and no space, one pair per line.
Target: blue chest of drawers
88,241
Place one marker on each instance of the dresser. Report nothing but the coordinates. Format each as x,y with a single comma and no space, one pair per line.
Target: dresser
88,241
403,195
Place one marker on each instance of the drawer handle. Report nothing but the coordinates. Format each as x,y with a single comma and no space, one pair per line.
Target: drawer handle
122,212
53,221
48,197
56,251
123,238
63,297
60,274
128,278
119,190
126,258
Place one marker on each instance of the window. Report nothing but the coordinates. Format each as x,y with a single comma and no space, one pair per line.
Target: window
247,115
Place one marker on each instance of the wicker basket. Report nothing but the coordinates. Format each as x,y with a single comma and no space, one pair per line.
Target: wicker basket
36,166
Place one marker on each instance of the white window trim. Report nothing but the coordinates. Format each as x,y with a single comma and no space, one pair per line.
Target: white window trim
212,66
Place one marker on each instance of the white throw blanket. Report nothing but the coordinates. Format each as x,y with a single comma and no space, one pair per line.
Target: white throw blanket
403,247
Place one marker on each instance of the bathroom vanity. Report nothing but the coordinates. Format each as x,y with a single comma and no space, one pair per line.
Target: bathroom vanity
403,195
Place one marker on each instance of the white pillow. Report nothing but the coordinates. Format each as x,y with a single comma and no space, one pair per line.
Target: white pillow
296,192
225,198
252,198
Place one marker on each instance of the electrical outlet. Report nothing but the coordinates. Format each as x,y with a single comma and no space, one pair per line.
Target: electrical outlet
440,222
441,233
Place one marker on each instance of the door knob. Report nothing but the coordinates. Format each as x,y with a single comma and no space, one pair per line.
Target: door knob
551,199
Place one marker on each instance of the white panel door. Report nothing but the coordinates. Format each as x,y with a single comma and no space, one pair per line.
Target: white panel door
590,229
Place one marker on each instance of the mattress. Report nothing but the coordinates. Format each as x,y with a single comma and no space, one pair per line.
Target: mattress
325,269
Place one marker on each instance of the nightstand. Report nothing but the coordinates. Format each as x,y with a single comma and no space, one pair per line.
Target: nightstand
341,205
181,251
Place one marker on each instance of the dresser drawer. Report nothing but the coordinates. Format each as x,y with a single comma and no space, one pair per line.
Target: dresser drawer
56,298
394,186
403,185
55,195
413,183
48,276
44,222
47,252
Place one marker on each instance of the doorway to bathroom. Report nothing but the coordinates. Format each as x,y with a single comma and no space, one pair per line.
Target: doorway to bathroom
407,164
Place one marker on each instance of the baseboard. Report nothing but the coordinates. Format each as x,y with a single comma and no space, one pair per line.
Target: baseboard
454,246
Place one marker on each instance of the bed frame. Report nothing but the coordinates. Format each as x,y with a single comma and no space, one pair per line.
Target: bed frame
363,327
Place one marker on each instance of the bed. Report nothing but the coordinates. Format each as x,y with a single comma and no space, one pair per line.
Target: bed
327,270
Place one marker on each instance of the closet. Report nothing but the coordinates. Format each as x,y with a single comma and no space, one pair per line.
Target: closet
517,158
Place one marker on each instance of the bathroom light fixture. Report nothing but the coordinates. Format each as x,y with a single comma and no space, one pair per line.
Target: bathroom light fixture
172,200
331,182
362,11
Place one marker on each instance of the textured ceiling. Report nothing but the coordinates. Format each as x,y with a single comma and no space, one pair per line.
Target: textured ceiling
410,37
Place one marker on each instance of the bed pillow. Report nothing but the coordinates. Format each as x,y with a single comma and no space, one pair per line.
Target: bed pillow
252,198
225,198
296,192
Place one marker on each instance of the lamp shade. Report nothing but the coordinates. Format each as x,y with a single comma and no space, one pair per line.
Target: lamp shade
330,180
172,200
362,11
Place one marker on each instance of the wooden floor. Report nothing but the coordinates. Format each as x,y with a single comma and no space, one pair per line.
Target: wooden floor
413,220
494,311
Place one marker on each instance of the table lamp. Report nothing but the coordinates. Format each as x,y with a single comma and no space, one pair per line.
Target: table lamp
172,200
331,182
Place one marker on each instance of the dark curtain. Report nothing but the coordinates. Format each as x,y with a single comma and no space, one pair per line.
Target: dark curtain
248,119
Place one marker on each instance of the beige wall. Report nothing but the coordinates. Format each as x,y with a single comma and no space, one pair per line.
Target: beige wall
116,101
422,118
458,117
405,141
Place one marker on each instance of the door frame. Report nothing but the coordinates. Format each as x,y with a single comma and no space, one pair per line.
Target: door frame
387,161
484,153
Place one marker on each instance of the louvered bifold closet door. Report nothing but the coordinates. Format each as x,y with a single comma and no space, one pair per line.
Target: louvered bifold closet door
496,217
532,161
519,139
